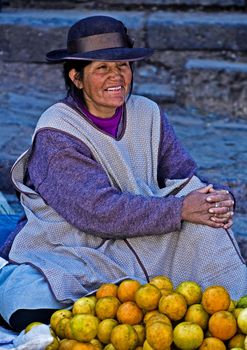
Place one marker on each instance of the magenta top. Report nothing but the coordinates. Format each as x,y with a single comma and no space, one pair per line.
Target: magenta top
108,125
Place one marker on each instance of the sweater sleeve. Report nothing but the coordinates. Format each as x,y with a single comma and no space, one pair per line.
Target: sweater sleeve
65,174
174,161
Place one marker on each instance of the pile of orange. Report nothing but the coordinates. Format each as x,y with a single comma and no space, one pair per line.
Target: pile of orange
153,316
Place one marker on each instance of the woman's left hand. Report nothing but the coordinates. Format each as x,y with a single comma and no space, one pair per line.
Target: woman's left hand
222,208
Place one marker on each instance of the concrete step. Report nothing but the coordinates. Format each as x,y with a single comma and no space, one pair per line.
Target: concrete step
177,37
197,31
122,4
218,85
42,31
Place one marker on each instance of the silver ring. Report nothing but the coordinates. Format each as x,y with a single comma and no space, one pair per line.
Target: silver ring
217,205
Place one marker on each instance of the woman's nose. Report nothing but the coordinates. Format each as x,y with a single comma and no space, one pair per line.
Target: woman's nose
115,71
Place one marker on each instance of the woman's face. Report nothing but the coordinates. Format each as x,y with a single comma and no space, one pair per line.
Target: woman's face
105,86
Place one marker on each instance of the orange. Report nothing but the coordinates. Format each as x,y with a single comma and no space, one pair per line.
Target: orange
173,305
242,320
83,346
162,282
68,331
236,312
60,327
67,344
212,343
222,325
159,318
195,313
147,297
109,347
191,291
58,315
106,307
105,328
141,333
126,290
107,290
159,335
165,291
129,313
232,306
97,344
150,314
84,327
84,305
188,335
147,346
215,298
54,344
237,341
124,337
31,325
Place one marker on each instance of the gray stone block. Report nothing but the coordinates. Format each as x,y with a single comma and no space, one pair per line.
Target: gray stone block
216,86
160,93
197,31
190,3
42,31
216,65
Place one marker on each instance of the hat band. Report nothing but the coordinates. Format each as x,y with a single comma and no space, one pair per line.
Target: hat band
98,42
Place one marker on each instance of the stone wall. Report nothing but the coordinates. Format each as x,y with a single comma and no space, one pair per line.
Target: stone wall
200,59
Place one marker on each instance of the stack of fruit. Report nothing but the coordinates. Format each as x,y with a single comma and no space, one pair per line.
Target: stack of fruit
131,316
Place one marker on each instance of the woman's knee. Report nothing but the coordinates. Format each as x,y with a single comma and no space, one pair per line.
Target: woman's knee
22,317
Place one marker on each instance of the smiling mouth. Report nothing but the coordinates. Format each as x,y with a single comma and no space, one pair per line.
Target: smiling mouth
114,88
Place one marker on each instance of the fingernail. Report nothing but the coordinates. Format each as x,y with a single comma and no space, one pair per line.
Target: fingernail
212,218
209,199
211,210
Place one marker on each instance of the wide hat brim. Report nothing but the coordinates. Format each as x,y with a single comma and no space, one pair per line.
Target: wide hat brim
111,54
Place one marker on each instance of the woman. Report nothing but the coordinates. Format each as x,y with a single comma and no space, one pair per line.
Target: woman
108,191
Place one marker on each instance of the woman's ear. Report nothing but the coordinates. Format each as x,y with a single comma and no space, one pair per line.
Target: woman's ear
74,76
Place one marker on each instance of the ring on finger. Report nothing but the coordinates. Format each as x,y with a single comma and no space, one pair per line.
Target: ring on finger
217,205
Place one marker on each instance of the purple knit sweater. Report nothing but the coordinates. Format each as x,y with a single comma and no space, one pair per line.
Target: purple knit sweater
62,169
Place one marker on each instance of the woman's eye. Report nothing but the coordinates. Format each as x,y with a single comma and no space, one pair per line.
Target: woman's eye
124,64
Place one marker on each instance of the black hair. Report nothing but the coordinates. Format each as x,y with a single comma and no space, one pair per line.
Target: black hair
69,85
79,68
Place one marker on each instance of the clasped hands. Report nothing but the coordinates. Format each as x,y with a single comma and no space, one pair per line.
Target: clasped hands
208,206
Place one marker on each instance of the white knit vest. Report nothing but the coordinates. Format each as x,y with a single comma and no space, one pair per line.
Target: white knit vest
76,263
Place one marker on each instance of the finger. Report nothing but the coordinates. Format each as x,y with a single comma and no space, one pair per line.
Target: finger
218,197
228,224
215,224
225,203
228,215
219,210
205,189
219,220
220,191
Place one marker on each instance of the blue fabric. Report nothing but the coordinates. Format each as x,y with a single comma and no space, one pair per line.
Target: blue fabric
7,225
24,287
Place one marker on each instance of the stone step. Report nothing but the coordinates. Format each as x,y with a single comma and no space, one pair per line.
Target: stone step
153,4
45,30
197,31
216,84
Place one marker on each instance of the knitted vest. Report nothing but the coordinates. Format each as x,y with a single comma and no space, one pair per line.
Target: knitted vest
76,263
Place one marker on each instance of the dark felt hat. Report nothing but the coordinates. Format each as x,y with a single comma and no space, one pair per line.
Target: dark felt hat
98,38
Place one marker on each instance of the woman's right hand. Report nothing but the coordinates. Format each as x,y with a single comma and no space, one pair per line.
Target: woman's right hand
196,207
